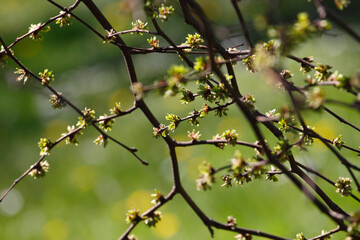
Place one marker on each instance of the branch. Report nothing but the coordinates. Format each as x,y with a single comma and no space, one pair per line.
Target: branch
343,120
243,24
36,164
164,200
216,142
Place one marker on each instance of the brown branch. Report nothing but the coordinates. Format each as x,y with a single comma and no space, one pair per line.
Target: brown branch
342,24
131,150
216,142
245,231
243,24
343,120
300,60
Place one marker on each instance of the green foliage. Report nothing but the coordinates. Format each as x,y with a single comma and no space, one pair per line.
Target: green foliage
174,121
249,101
266,56
302,29
282,150
230,136
227,179
154,10
57,102
4,57
187,97
193,135
322,72
193,41
285,123
46,77
286,74
306,138
343,81
219,145
249,62
214,93
71,135
157,197
85,120
35,31
101,140
24,76
338,143
353,232
201,64
343,186
271,176
152,219
300,236
325,238
45,146
117,109
139,25
175,81
237,162
162,130
341,4
107,123
64,20
132,216
305,68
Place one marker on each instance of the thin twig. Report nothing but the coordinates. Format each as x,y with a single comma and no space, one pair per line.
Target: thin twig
243,24
343,120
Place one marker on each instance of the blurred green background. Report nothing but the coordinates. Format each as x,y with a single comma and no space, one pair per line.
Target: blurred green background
89,189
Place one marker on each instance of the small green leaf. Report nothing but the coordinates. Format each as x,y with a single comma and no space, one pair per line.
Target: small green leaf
164,12
47,77
39,170
64,20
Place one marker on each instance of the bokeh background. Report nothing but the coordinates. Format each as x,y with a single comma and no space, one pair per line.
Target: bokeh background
89,189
